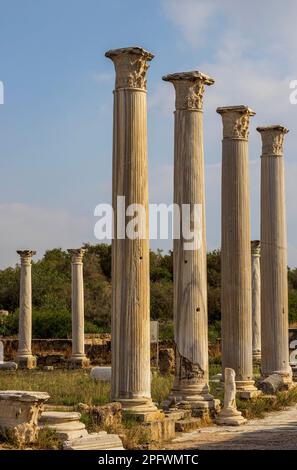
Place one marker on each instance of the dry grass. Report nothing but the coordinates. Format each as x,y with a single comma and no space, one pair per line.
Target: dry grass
68,387
258,407
64,387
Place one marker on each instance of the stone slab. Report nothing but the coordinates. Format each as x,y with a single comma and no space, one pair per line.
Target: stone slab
67,425
10,365
95,441
101,374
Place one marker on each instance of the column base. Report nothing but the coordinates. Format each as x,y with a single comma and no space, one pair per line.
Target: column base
198,399
230,417
26,361
246,390
141,409
78,362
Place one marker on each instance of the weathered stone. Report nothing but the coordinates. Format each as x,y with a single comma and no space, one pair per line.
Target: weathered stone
166,361
189,257
78,358
161,430
230,416
25,359
109,415
131,384
187,425
101,374
178,414
95,441
19,413
8,365
236,278
274,275
67,425
274,383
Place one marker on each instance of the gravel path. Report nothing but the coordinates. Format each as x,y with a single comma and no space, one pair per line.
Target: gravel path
277,431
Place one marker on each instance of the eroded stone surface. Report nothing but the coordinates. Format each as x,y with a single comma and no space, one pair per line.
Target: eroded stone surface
95,441
229,415
67,425
19,413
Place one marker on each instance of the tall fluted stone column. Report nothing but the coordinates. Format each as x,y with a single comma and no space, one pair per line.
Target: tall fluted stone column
130,257
25,359
189,265
256,301
236,296
274,283
78,358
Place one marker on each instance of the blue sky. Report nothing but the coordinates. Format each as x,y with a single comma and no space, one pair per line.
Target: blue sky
56,122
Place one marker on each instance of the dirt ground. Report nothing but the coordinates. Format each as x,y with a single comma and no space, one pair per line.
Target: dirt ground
277,431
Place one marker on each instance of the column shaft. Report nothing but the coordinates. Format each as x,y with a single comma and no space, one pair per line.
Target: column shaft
236,296
78,358
274,281
189,265
25,358
256,301
130,257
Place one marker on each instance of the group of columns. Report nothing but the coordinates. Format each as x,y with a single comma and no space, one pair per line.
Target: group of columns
241,307
245,308
25,357
242,312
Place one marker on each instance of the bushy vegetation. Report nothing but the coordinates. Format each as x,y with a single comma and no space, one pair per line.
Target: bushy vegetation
51,295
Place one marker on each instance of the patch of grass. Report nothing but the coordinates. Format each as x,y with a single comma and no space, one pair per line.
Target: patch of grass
47,440
70,387
65,387
261,405
8,438
161,386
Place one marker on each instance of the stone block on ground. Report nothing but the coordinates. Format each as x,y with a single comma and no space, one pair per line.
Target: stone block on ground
101,374
95,441
161,430
67,425
273,384
10,365
108,415
19,413
187,425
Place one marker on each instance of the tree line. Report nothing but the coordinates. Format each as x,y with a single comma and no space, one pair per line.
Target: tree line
51,294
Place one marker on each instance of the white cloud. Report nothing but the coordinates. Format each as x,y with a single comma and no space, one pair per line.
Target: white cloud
252,57
191,16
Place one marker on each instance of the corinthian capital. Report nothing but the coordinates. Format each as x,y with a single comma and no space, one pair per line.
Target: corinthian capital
130,66
235,121
26,256
189,88
255,247
77,255
272,139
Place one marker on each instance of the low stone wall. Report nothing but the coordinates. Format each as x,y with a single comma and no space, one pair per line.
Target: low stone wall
56,352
